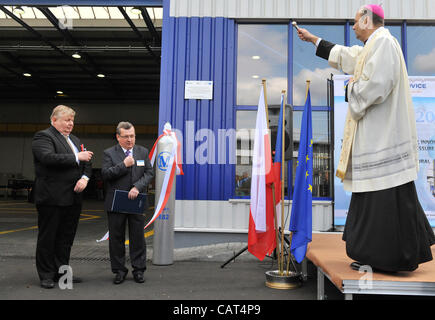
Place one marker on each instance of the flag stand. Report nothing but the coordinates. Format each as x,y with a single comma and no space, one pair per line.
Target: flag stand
277,279
279,276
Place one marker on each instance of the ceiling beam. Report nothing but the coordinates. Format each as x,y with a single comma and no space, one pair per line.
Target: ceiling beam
68,37
41,38
74,48
35,78
150,25
116,87
87,3
139,34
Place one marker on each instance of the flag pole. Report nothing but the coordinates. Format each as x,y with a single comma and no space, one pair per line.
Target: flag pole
276,278
281,270
263,81
291,233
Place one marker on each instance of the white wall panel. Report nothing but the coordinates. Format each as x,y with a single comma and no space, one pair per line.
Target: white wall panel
299,9
233,215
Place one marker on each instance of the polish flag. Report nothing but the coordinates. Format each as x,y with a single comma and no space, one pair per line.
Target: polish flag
261,236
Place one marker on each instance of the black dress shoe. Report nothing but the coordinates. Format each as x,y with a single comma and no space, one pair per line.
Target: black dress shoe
47,283
119,277
358,266
355,265
138,277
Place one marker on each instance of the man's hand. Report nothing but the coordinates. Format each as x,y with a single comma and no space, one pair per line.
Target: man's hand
305,35
129,161
85,155
81,185
133,193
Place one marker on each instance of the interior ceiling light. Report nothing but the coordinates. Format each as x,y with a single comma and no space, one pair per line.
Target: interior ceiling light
59,92
18,10
100,75
76,55
26,74
255,57
255,76
135,10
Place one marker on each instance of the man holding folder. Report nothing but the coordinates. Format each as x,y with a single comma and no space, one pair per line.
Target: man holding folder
126,167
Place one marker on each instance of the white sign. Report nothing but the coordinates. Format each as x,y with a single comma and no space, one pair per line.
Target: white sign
198,90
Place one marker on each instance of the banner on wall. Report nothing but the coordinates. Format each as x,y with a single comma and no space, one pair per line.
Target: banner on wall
423,97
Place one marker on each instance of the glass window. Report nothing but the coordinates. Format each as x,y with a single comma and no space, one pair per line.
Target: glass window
396,32
245,127
245,135
262,53
421,50
321,151
321,164
308,66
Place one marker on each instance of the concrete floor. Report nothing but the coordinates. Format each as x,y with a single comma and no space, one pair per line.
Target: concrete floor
196,273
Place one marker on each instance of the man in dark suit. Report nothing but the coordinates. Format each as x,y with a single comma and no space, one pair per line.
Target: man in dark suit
126,167
62,172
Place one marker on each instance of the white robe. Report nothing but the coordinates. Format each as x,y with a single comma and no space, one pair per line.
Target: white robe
384,152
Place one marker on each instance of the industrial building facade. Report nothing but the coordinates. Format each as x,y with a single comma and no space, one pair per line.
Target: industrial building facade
235,44
228,46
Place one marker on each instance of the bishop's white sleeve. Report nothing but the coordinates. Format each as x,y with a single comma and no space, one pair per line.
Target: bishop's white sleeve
344,58
380,74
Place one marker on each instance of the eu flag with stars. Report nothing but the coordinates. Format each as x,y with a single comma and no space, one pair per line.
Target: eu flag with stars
301,216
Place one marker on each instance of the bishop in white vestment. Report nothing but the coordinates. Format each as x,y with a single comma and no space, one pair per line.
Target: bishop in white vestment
386,226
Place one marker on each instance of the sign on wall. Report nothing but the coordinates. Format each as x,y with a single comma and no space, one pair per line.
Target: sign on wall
202,90
423,97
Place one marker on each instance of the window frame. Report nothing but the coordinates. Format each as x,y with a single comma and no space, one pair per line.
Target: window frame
347,25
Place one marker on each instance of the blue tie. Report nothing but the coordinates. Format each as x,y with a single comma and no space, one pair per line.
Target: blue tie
127,153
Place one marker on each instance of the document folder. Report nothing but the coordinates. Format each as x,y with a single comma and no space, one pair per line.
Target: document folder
121,203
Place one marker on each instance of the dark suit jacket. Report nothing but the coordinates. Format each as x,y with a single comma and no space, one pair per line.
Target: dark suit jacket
56,169
117,176
324,49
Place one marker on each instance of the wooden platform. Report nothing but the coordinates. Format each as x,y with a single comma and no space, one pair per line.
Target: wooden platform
327,252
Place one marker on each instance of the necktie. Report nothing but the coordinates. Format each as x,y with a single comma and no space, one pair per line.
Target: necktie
70,145
127,153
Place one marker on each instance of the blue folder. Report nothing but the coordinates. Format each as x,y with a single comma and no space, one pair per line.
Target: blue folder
122,204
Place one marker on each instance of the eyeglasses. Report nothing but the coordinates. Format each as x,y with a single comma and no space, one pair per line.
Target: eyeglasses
128,137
